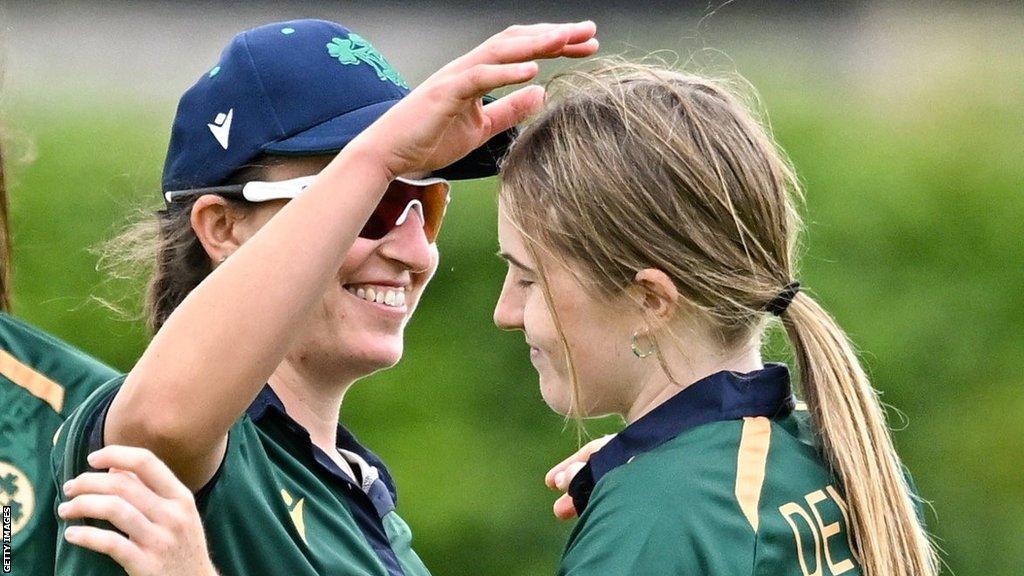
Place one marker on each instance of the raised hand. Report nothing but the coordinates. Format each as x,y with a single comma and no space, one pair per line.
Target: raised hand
141,497
444,119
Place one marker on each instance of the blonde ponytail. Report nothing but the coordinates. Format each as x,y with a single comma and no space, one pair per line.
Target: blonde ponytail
889,538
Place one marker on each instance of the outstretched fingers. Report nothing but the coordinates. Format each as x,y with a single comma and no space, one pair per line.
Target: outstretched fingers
524,43
484,78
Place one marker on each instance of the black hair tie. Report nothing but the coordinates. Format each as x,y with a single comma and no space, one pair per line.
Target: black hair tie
778,305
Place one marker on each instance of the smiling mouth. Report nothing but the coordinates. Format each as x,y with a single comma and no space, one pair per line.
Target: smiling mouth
389,296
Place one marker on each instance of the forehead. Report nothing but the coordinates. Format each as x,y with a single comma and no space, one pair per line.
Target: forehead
288,167
509,237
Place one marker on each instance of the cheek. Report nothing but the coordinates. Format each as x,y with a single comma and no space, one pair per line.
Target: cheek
601,359
539,323
357,258
553,370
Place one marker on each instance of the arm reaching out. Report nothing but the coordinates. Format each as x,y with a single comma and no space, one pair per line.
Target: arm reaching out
215,352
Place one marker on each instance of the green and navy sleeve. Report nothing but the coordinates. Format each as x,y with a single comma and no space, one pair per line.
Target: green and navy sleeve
81,435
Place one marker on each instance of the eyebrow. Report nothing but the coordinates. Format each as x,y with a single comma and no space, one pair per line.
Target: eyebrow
512,260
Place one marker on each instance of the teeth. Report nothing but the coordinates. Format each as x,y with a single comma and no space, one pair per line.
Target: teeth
394,297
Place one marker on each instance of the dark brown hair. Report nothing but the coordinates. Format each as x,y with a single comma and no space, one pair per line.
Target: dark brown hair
162,247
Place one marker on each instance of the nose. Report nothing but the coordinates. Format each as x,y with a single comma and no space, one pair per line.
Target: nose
508,312
407,243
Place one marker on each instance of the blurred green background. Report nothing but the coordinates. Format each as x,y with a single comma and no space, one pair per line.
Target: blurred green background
906,125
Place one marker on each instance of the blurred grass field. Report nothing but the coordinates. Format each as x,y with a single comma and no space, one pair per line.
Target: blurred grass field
914,214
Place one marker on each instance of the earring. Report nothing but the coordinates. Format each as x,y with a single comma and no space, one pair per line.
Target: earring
223,259
635,346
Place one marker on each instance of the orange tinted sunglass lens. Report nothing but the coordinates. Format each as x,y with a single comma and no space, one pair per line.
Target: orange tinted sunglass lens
432,197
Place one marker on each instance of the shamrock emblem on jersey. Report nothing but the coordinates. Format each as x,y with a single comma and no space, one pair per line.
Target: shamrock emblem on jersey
355,49
16,493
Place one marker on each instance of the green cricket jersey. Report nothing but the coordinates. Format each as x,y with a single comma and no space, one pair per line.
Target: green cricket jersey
725,478
41,381
278,505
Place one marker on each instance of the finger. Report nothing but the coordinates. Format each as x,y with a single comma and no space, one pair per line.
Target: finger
581,50
483,78
522,48
145,465
546,41
564,478
529,29
578,31
513,108
581,455
122,484
564,509
113,509
108,542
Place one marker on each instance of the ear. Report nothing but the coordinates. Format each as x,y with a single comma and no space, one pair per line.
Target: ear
658,296
217,225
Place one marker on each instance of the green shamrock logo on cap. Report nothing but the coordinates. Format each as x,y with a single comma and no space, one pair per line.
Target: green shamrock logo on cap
356,49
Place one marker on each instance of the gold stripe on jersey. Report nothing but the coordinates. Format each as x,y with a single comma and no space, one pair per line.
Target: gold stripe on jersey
35,383
750,466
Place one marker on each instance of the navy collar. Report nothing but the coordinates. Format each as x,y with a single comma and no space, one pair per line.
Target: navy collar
720,396
383,500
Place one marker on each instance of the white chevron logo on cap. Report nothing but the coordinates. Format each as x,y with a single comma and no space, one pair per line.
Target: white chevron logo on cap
221,127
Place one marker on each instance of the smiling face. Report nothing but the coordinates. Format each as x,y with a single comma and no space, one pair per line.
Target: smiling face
359,324
596,331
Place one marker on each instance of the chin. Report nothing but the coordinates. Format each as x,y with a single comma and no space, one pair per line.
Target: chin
354,357
557,395
385,354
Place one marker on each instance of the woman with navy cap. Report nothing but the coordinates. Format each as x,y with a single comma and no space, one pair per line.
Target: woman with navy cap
285,272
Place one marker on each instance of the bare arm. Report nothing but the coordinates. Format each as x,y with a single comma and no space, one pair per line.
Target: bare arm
184,394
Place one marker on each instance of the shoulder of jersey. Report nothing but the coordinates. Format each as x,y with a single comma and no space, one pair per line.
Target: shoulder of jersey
50,369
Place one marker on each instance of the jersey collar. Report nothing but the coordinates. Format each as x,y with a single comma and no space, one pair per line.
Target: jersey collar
384,500
720,396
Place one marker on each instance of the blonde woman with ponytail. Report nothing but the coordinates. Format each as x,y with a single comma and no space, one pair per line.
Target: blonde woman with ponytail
649,224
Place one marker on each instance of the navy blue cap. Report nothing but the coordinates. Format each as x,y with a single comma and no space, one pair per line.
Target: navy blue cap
299,88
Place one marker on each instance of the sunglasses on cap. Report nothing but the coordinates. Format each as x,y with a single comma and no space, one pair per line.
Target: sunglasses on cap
428,196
